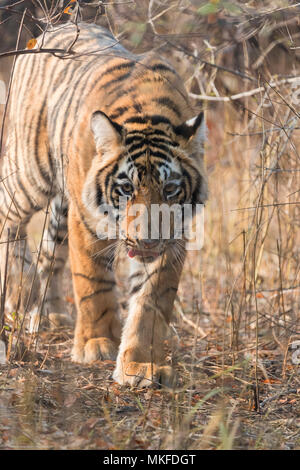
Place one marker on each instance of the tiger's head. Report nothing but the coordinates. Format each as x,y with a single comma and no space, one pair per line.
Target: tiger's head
144,166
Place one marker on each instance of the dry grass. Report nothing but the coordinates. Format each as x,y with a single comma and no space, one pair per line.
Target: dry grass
239,385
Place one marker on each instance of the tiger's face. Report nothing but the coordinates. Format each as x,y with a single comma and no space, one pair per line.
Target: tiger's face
141,179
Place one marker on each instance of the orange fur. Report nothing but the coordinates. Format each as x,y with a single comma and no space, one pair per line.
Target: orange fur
76,126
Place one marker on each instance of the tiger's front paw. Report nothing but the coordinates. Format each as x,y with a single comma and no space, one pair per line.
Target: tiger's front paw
95,349
144,374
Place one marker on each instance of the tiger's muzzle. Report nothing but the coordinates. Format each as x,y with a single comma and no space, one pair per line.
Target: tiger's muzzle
147,250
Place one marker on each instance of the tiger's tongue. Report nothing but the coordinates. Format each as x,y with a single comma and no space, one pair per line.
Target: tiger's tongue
131,253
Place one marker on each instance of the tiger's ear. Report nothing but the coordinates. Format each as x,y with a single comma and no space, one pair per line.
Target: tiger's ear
192,130
107,133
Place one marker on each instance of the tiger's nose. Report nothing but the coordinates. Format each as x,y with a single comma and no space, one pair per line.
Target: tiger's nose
149,244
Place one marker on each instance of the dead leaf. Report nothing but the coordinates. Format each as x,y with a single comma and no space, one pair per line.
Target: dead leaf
70,7
31,43
271,381
259,295
70,400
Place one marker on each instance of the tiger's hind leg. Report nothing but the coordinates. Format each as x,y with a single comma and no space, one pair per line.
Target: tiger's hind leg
31,287
19,281
52,259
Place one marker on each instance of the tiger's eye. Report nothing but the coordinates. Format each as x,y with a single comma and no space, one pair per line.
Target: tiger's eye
127,188
170,189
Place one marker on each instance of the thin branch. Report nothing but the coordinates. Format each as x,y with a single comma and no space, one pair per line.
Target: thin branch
245,93
37,51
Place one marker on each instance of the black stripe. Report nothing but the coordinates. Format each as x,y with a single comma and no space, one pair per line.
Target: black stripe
184,189
138,107
66,102
162,147
136,155
154,119
118,92
114,68
138,273
136,139
134,135
137,120
97,292
123,176
103,313
136,288
118,112
33,66
42,174
116,80
136,146
156,67
108,176
160,140
99,194
84,88
35,207
83,221
158,119
168,103
196,191
94,279
158,132
161,155
117,191
57,270
61,209
51,165
58,225
59,100
15,202
54,235
196,188
60,78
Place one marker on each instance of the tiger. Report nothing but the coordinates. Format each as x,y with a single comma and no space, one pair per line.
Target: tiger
85,129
